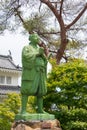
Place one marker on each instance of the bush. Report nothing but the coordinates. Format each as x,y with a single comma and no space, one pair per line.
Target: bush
67,94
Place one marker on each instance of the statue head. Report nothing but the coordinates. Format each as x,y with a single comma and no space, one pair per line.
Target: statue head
34,38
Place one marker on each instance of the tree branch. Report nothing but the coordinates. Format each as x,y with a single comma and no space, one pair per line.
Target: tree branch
44,1
41,33
55,52
40,6
61,7
53,9
77,18
18,14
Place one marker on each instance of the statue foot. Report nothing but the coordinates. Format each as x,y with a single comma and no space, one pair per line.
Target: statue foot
24,113
43,112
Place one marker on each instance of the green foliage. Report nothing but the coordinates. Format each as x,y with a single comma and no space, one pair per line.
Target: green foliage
77,125
8,108
11,106
13,102
37,23
67,94
73,45
31,106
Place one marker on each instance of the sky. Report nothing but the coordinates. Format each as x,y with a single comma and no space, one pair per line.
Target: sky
13,42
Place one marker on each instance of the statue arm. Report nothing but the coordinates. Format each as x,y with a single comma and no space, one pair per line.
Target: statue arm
28,54
42,54
28,57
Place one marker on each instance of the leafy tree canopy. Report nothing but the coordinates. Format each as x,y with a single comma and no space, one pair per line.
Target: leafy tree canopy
67,94
68,19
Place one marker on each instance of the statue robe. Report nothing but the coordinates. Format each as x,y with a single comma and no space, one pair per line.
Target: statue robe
34,72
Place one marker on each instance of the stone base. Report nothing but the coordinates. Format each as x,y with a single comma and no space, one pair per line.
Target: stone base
36,116
36,125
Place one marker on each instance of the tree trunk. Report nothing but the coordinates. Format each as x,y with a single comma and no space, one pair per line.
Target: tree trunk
63,29
63,38
63,45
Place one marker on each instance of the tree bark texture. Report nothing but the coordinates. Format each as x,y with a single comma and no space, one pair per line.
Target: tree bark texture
63,27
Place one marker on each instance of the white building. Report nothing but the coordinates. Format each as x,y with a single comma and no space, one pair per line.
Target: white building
9,75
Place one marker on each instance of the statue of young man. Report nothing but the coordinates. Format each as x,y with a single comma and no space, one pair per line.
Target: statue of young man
34,73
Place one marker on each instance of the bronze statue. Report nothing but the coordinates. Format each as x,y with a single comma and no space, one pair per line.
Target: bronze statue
34,73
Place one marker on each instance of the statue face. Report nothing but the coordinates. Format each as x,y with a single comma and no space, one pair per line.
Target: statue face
34,38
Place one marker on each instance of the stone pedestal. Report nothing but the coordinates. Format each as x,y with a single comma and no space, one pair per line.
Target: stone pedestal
36,125
35,121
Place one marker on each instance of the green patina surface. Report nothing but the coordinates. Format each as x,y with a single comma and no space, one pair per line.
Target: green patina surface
34,74
33,117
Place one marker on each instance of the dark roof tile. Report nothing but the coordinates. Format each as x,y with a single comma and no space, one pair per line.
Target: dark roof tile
4,89
6,62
